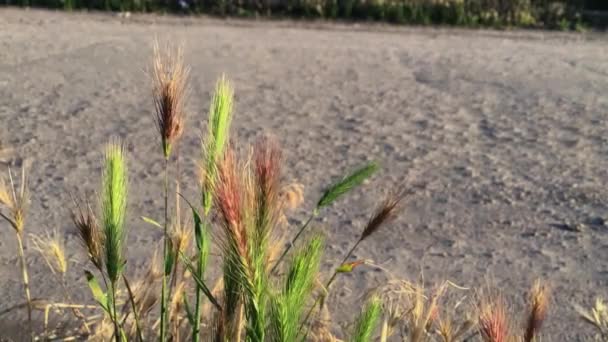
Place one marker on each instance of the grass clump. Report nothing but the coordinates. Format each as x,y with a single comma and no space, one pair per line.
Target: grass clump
265,291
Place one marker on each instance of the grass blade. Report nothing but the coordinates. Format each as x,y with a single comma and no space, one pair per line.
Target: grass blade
98,294
189,314
199,282
202,245
152,222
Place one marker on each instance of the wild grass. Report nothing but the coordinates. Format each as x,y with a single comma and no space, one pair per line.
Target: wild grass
113,212
15,199
169,93
266,290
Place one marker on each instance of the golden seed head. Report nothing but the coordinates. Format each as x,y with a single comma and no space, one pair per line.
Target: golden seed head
538,304
53,252
181,239
19,218
6,198
15,200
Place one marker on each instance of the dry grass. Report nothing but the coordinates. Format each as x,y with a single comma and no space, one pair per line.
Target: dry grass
15,199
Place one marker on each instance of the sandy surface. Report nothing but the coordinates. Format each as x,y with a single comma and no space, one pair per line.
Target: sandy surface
508,129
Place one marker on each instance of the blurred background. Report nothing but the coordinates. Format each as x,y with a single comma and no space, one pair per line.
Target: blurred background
549,14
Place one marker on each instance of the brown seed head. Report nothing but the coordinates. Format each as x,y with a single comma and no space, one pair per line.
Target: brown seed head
89,232
384,214
170,78
267,156
267,170
538,303
388,210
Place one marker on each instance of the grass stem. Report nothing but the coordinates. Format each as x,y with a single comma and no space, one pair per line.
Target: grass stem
328,284
26,283
197,309
163,297
114,315
140,335
293,241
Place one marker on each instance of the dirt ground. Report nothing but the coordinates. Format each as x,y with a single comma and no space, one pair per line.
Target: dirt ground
509,130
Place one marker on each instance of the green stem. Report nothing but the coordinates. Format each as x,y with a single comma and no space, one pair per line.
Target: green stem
197,312
328,284
114,316
293,241
163,297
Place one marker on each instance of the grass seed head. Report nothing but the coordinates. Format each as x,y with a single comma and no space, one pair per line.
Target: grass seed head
538,304
15,200
169,91
368,320
53,252
346,184
89,232
385,213
114,208
216,141
228,194
267,184
494,320
6,198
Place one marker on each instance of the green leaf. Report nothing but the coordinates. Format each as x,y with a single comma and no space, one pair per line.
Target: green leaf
199,233
100,296
170,258
198,229
152,222
338,189
199,282
189,313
